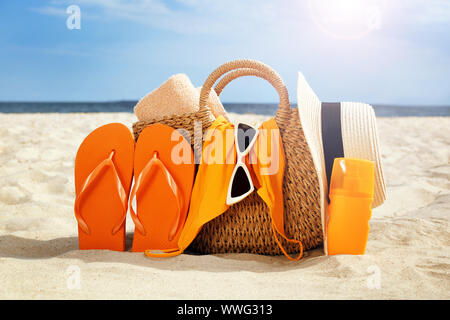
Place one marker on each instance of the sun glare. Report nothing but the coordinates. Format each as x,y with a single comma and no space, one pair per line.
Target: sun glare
347,19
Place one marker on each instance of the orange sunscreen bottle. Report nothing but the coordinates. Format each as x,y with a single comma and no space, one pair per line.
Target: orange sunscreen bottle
351,196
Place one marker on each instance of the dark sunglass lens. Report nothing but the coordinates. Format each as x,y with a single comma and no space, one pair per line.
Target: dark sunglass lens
245,136
240,185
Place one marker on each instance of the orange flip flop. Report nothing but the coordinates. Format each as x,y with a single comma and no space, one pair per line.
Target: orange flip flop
103,175
164,174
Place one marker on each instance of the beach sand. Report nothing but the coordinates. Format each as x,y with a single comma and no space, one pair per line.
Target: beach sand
407,253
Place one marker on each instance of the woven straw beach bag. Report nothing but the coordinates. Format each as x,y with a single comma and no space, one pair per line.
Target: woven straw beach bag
246,226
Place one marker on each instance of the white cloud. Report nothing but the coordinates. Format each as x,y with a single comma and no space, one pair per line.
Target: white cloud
436,11
50,11
192,17
235,16
421,11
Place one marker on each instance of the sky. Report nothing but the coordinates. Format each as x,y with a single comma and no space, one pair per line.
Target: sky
374,51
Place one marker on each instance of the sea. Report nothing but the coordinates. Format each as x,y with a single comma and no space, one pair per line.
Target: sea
241,108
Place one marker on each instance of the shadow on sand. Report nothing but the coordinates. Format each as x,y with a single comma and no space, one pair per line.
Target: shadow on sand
67,248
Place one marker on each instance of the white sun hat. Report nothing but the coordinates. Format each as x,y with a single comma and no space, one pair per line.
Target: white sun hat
343,129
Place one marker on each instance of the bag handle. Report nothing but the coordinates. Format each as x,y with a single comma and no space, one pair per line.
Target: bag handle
238,73
243,68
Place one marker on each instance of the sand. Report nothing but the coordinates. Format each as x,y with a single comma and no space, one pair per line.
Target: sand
407,253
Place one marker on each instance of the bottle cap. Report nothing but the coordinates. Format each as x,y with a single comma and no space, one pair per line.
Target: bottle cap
352,177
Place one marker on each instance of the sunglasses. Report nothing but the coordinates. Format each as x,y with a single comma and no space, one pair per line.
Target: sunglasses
241,184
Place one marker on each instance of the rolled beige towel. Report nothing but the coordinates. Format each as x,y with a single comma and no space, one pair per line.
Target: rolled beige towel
176,96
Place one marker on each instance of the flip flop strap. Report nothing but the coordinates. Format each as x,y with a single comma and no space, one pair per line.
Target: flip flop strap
145,174
108,162
163,253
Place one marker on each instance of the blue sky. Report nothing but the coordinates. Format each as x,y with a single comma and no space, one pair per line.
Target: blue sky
375,51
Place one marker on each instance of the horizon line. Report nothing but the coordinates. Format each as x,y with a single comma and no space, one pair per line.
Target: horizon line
227,102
